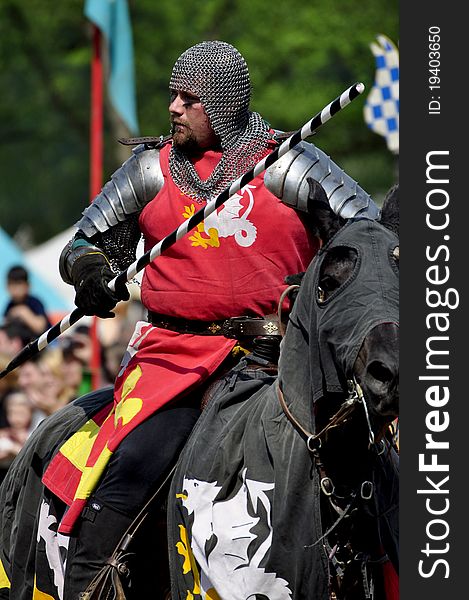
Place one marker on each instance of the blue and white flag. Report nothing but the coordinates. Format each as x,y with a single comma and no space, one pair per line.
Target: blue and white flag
381,111
112,18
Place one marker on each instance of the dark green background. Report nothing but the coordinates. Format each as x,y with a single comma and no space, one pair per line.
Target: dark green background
301,55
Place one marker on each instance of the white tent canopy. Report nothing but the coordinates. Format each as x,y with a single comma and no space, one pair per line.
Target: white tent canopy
45,281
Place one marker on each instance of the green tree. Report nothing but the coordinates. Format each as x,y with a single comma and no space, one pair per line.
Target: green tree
301,55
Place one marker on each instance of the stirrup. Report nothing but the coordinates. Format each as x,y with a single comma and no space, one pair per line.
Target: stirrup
107,583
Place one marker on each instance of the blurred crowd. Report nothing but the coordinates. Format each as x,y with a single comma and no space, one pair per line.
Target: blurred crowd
61,372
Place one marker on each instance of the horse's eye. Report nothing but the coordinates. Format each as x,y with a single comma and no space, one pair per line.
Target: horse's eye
329,284
326,286
336,270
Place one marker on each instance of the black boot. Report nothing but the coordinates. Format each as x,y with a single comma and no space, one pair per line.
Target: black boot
98,533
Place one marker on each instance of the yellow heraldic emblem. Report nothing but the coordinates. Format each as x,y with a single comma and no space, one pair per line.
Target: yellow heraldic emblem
197,239
190,565
128,407
4,581
38,595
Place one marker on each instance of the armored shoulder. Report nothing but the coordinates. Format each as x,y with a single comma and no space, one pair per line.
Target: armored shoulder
130,188
287,179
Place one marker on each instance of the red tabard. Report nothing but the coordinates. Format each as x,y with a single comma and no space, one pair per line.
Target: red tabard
234,263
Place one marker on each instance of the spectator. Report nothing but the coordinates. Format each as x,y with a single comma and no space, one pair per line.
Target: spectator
7,384
14,336
12,438
42,379
76,351
111,359
22,305
51,363
30,382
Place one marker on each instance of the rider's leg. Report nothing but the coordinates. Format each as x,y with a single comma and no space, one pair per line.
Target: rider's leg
137,467
98,532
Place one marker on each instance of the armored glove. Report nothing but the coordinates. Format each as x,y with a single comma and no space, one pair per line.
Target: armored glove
90,275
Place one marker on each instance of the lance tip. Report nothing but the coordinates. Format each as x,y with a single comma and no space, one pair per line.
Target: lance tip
360,87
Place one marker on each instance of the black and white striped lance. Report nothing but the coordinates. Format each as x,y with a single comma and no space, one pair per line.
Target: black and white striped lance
327,113
44,340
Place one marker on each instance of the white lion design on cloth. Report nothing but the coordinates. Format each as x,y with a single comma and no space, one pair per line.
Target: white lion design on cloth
229,221
230,524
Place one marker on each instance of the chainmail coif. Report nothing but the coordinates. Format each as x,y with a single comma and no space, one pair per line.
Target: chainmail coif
216,73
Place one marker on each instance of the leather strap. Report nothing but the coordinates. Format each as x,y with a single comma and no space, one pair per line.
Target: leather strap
312,440
234,328
149,140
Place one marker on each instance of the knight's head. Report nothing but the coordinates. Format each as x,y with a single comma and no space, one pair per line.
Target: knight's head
217,74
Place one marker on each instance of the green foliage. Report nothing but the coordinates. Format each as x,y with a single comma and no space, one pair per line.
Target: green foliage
300,54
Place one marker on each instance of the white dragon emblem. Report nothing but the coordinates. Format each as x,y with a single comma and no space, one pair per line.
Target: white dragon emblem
227,568
53,542
228,221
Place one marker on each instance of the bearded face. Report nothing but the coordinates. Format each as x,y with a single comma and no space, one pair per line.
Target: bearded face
190,125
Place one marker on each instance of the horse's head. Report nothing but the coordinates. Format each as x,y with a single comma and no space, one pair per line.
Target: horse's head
347,308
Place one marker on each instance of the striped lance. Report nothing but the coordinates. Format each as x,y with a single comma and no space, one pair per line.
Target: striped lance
322,117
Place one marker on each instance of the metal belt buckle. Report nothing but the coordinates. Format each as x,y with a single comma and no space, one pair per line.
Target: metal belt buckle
271,328
214,328
229,329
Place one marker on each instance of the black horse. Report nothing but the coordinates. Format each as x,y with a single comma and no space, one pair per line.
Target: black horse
287,487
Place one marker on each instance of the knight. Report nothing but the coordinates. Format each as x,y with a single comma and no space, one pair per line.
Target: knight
210,300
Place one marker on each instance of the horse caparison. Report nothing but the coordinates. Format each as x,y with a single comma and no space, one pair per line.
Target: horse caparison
305,468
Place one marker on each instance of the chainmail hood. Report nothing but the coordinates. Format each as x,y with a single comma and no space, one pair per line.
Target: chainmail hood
217,73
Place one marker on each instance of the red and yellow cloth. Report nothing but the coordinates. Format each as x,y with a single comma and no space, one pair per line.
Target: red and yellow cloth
167,366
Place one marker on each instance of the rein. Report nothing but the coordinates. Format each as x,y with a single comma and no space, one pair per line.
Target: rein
363,492
355,396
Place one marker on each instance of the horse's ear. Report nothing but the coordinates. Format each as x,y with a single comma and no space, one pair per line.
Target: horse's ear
321,218
390,210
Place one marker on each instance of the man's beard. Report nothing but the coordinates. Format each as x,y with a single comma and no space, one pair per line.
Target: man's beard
184,141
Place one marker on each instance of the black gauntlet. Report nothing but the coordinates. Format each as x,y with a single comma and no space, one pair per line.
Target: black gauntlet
90,274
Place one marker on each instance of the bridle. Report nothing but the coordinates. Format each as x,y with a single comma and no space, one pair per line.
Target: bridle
314,442
364,492
355,397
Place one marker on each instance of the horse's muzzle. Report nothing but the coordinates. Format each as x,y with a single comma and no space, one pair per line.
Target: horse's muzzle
377,370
